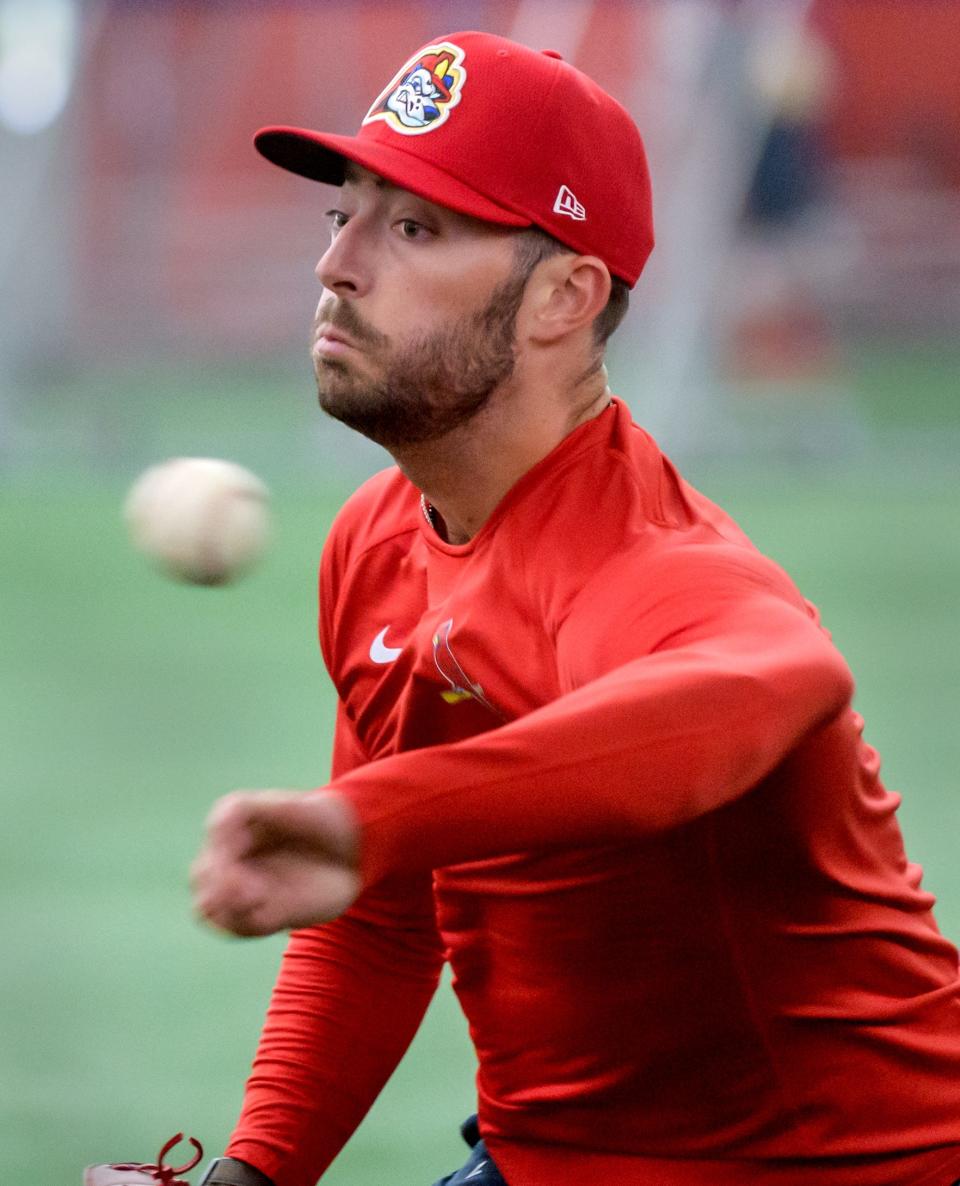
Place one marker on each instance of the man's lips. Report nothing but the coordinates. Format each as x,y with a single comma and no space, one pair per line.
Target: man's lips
329,340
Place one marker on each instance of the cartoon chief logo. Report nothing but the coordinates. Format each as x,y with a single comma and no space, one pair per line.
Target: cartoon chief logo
424,92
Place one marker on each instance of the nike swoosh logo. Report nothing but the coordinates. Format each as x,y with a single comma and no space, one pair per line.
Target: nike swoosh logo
473,1173
380,652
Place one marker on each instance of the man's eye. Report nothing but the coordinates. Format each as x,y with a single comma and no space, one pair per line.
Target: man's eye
337,219
410,229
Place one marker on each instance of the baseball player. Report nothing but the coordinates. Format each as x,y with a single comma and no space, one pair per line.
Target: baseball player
592,747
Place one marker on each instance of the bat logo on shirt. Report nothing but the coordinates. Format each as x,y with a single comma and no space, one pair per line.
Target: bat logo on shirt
424,91
461,686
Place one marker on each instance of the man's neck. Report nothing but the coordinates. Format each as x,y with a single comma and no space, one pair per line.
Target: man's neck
465,474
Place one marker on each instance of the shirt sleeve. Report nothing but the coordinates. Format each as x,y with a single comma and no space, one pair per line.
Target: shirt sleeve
348,1000
681,699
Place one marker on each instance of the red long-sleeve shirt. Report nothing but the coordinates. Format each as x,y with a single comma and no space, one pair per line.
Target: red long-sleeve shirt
604,762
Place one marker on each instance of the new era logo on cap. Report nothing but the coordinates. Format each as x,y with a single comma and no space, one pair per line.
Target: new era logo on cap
566,203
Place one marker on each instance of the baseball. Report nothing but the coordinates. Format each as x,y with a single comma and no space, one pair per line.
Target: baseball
201,519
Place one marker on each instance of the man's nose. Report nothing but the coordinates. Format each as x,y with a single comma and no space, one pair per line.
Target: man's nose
341,268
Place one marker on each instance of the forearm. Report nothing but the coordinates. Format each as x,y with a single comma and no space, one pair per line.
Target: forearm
347,1002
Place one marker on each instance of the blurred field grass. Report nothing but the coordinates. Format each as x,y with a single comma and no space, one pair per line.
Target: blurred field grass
128,703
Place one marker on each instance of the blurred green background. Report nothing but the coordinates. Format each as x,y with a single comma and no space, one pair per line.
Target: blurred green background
801,363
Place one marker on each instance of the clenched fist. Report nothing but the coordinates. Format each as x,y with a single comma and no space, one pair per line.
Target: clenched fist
275,860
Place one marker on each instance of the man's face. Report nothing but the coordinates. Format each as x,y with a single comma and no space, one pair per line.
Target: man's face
415,327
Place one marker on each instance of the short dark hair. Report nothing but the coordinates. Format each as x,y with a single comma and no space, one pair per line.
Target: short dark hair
532,245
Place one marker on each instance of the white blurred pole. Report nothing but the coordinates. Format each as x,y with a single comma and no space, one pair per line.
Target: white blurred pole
34,205
714,141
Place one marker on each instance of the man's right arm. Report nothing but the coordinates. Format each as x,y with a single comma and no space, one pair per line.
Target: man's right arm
348,1000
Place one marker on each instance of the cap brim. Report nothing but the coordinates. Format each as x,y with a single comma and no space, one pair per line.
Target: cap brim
322,156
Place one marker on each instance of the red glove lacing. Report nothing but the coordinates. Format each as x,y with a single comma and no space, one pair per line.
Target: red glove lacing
166,1175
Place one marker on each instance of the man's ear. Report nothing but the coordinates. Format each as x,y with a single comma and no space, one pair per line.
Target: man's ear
566,293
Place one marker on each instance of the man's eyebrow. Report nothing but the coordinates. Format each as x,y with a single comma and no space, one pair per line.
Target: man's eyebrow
352,175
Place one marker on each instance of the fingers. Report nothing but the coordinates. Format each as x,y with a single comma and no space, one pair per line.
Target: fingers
228,887
227,897
275,860
245,821
237,821
280,896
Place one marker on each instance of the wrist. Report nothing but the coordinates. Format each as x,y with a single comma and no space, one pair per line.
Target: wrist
230,1171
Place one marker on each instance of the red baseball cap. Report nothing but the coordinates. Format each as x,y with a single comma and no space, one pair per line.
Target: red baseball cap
495,130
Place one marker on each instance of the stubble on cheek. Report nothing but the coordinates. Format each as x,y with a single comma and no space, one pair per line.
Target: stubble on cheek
418,389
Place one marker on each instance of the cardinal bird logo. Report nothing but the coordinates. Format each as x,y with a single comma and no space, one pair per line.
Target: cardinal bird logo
422,94
461,686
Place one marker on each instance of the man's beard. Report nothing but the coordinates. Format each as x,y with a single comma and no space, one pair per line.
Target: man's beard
432,383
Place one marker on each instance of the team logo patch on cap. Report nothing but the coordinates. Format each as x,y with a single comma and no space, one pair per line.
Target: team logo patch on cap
423,92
